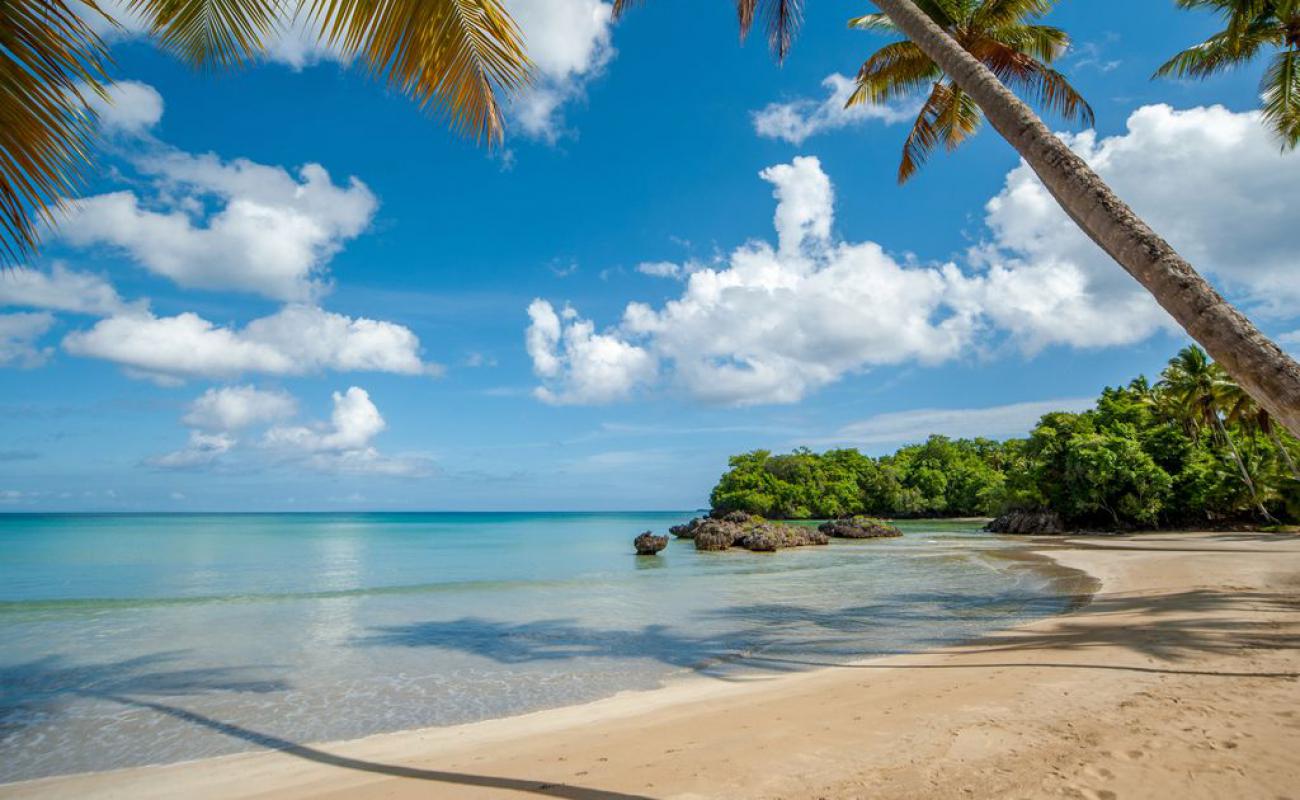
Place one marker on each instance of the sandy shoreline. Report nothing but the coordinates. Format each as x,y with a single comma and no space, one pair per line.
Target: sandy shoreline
1181,679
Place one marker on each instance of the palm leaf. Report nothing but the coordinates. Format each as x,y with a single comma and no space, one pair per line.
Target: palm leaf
1047,87
1281,91
452,54
924,136
998,13
895,70
783,18
1221,51
210,33
50,61
959,117
874,22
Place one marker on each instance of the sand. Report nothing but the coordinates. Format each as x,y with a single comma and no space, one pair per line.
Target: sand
1181,679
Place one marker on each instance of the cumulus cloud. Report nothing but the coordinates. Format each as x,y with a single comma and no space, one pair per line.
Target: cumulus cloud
296,340
767,326
233,408
61,289
131,107
344,445
774,323
221,417
579,365
569,41
1015,419
798,120
272,234
1211,181
18,336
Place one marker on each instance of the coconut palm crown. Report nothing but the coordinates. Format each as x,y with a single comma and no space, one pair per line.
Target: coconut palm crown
1003,35
1252,27
455,56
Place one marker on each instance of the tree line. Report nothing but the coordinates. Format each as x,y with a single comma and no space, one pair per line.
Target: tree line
1191,449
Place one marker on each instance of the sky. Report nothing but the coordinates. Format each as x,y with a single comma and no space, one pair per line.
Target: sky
287,288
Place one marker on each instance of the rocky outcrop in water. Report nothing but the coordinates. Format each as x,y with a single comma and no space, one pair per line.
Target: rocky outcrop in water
1027,522
647,544
859,528
743,531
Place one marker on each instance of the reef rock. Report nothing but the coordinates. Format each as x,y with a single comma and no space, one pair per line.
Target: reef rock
1027,522
859,528
647,544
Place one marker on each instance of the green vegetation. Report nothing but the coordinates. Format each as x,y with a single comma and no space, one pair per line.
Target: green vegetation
1193,449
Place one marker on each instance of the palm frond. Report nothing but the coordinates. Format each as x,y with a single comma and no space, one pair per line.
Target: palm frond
1221,51
782,17
997,13
877,22
210,33
1047,88
895,70
1043,42
452,54
51,61
924,136
1281,92
959,118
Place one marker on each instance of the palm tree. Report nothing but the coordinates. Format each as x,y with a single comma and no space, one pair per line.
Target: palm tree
1002,35
1254,361
1252,26
1195,386
1242,410
452,55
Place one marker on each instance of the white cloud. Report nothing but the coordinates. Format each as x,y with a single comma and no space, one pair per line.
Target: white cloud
344,445
61,289
220,416
18,335
273,233
570,43
203,449
131,107
771,324
232,408
660,269
1209,180
296,340
798,120
1015,419
579,365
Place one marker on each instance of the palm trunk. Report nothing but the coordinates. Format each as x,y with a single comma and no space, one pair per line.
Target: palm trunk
1286,454
1241,466
1254,361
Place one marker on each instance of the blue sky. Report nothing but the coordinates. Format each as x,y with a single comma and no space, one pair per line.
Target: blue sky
959,303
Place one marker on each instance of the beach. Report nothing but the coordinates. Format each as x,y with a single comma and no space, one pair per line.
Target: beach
1179,679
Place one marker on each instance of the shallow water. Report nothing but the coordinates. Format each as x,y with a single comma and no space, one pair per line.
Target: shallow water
138,639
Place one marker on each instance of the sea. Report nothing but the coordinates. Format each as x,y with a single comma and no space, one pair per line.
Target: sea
131,639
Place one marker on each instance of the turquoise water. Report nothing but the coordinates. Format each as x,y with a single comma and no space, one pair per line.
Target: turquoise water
139,639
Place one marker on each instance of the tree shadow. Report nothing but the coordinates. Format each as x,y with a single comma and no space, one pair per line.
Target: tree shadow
36,689
1175,627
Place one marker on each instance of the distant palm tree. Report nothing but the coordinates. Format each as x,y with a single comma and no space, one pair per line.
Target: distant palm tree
1261,367
1251,27
1242,410
1195,386
455,55
1002,34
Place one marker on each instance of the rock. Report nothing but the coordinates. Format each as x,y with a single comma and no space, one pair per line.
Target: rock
687,531
717,536
859,527
647,544
747,531
1027,522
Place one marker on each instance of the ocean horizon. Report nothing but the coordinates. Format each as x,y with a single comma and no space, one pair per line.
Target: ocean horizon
131,639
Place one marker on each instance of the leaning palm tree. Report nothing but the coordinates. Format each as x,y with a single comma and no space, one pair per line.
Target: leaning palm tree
1252,27
1256,362
456,56
1005,36
1195,386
